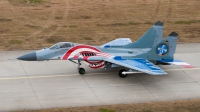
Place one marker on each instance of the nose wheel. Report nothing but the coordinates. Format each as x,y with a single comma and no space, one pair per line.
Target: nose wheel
80,69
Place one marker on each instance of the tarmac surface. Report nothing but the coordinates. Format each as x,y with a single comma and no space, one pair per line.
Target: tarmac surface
53,84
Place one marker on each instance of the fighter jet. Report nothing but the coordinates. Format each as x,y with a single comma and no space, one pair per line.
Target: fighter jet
142,55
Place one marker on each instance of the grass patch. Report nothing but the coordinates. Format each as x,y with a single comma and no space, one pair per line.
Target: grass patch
73,26
171,106
15,42
18,2
100,25
187,22
106,110
119,24
5,20
32,26
58,17
150,23
53,27
133,23
85,17
4,30
34,1
146,110
50,40
87,38
54,39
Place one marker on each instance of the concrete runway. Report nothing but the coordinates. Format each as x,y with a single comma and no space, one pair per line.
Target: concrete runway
52,84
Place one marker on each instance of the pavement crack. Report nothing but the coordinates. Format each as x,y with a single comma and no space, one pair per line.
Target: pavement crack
146,87
191,78
31,85
92,90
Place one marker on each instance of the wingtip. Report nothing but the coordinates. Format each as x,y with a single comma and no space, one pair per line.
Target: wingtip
173,34
159,23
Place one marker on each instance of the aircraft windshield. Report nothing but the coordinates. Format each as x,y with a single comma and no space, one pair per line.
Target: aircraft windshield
64,45
55,46
61,45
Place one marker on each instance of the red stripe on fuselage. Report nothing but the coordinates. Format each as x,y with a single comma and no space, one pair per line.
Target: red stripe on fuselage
96,67
67,54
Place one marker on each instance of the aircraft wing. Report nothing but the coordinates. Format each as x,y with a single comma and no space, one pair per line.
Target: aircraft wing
139,64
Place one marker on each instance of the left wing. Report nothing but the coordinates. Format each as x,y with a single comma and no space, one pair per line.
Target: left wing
139,64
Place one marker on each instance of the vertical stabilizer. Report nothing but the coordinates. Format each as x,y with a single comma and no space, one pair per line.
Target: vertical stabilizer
165,49
151,38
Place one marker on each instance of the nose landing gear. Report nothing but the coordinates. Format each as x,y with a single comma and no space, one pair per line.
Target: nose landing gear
80,70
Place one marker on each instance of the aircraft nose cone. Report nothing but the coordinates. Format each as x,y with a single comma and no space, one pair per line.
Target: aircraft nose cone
28,57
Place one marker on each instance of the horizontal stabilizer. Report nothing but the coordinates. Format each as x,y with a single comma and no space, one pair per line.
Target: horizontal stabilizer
176,62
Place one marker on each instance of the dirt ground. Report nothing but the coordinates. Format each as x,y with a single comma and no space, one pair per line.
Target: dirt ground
172,106
30,25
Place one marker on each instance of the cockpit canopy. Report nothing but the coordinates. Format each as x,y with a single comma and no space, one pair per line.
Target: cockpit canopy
62,45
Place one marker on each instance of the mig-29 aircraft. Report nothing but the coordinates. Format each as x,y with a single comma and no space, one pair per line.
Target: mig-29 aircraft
142,55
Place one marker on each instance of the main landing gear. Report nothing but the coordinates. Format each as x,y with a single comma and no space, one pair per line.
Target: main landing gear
80,70
122,73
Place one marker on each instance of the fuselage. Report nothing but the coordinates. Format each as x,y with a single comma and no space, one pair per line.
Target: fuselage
58,54
93,55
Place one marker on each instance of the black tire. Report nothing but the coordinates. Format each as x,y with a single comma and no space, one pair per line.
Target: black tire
122,75
81,71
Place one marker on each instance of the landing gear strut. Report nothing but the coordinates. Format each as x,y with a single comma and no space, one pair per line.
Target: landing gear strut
80,70
122,73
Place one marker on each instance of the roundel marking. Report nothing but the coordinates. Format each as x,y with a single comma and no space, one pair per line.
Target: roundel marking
162,49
